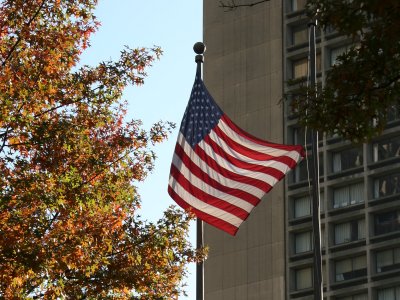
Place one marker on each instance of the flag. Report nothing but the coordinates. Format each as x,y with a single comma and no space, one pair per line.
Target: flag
220,172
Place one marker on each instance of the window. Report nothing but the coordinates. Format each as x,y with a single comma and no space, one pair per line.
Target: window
351,268
299,34
303,278
393,113
388,260
323,238
354,297
300,173
335,52
291,109
386,149
350,231
346,159
392,293
300,67
302,241
298,4
302,207
348,195
387,222
387,185
299,136
321,202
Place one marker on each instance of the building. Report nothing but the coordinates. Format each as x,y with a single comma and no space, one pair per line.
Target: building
251,54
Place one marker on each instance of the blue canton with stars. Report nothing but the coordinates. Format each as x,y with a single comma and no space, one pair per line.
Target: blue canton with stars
201,116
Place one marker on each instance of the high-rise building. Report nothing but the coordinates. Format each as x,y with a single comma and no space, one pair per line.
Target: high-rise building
252,53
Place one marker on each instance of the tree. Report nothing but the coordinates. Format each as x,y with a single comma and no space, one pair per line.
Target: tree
68,162
363,88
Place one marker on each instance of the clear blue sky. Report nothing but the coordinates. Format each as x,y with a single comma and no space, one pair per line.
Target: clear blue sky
174,25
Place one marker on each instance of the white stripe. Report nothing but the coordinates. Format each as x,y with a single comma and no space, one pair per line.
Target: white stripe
295,155
249,143
202,206
200,184
282,167
215,175
221,161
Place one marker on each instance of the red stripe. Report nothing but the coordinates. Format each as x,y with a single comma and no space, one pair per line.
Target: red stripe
250,152
254,139
206,198
221,224
212,182
242,164
229,174
290,162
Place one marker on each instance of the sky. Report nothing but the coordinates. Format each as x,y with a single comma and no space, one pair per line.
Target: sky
175,26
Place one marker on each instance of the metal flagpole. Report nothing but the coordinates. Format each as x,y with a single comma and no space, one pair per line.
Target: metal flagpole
199,48
316,219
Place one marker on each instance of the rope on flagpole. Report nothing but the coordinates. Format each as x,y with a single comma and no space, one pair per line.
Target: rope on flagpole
316,218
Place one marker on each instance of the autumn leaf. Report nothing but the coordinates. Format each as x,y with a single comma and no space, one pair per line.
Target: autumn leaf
69,160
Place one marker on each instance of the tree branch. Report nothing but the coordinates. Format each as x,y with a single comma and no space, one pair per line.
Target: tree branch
19,36
4,136
231,5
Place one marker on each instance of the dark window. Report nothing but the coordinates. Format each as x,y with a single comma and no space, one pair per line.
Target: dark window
349,231
299,136
393,114
387,222
300,173
299,34
392,293
351,268
387,148
302,241
346,159
303,278
388,260
348,195
387,185
301,207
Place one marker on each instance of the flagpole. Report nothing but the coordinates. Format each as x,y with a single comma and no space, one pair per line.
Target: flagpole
199,48
316,218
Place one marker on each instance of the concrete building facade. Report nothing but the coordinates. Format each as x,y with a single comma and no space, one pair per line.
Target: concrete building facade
251,54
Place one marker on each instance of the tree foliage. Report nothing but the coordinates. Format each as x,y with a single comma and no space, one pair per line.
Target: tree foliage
68,162
363,88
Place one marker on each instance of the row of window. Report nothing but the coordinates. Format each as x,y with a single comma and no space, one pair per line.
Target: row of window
343,233
382,149
299,66
299,37
390,293
345,159
347,196
354,230
351,268
347,232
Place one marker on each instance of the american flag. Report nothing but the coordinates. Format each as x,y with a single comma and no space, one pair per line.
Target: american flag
220,172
